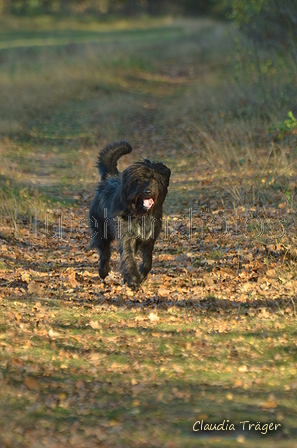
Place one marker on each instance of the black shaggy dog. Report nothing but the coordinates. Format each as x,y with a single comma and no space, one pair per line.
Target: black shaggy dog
128,207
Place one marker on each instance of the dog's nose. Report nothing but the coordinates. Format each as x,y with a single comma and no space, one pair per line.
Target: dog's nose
147,192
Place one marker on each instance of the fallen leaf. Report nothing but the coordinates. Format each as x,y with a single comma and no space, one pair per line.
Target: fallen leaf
96,357
35,288
269,405
80,384
72,279
177,368
163,292
53,334
31,383
202,416
94,324
271,273
153,317
130,292
25,277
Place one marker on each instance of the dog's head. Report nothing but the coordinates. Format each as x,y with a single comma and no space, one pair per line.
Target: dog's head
144,186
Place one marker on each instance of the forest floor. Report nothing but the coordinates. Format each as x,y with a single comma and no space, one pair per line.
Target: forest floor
211,334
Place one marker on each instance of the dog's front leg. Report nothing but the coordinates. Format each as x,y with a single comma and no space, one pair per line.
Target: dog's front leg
104,251
129,268
147,257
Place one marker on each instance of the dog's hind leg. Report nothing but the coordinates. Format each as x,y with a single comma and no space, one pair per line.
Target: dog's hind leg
101,242
147,255
129,267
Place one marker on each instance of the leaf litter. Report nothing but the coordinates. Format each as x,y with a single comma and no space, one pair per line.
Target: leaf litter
71,342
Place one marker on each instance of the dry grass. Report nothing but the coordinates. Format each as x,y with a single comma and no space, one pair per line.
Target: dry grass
184,90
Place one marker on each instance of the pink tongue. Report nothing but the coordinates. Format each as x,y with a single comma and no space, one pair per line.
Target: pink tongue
148,203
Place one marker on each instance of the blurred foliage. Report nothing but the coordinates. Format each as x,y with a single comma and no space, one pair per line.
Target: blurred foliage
34,7
270,22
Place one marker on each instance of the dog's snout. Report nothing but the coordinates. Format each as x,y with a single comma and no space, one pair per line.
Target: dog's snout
147,192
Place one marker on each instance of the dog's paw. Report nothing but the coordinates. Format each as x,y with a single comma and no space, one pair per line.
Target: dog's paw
143,272
134,286
133,282
142,277
103,271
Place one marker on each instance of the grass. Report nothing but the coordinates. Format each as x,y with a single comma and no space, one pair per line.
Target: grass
61,96
211,336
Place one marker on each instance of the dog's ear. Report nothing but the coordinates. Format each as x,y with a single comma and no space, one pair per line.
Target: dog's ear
167,174
164,171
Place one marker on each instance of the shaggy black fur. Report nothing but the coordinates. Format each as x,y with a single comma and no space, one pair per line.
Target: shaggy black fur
127,206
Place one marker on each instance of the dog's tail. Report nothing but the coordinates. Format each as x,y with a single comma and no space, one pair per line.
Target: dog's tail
108,157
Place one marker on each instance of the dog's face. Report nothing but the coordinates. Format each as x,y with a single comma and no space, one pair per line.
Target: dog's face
144,186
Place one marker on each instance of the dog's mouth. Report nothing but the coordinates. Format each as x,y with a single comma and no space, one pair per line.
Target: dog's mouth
148,203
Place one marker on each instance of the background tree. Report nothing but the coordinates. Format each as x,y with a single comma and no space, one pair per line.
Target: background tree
269,22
